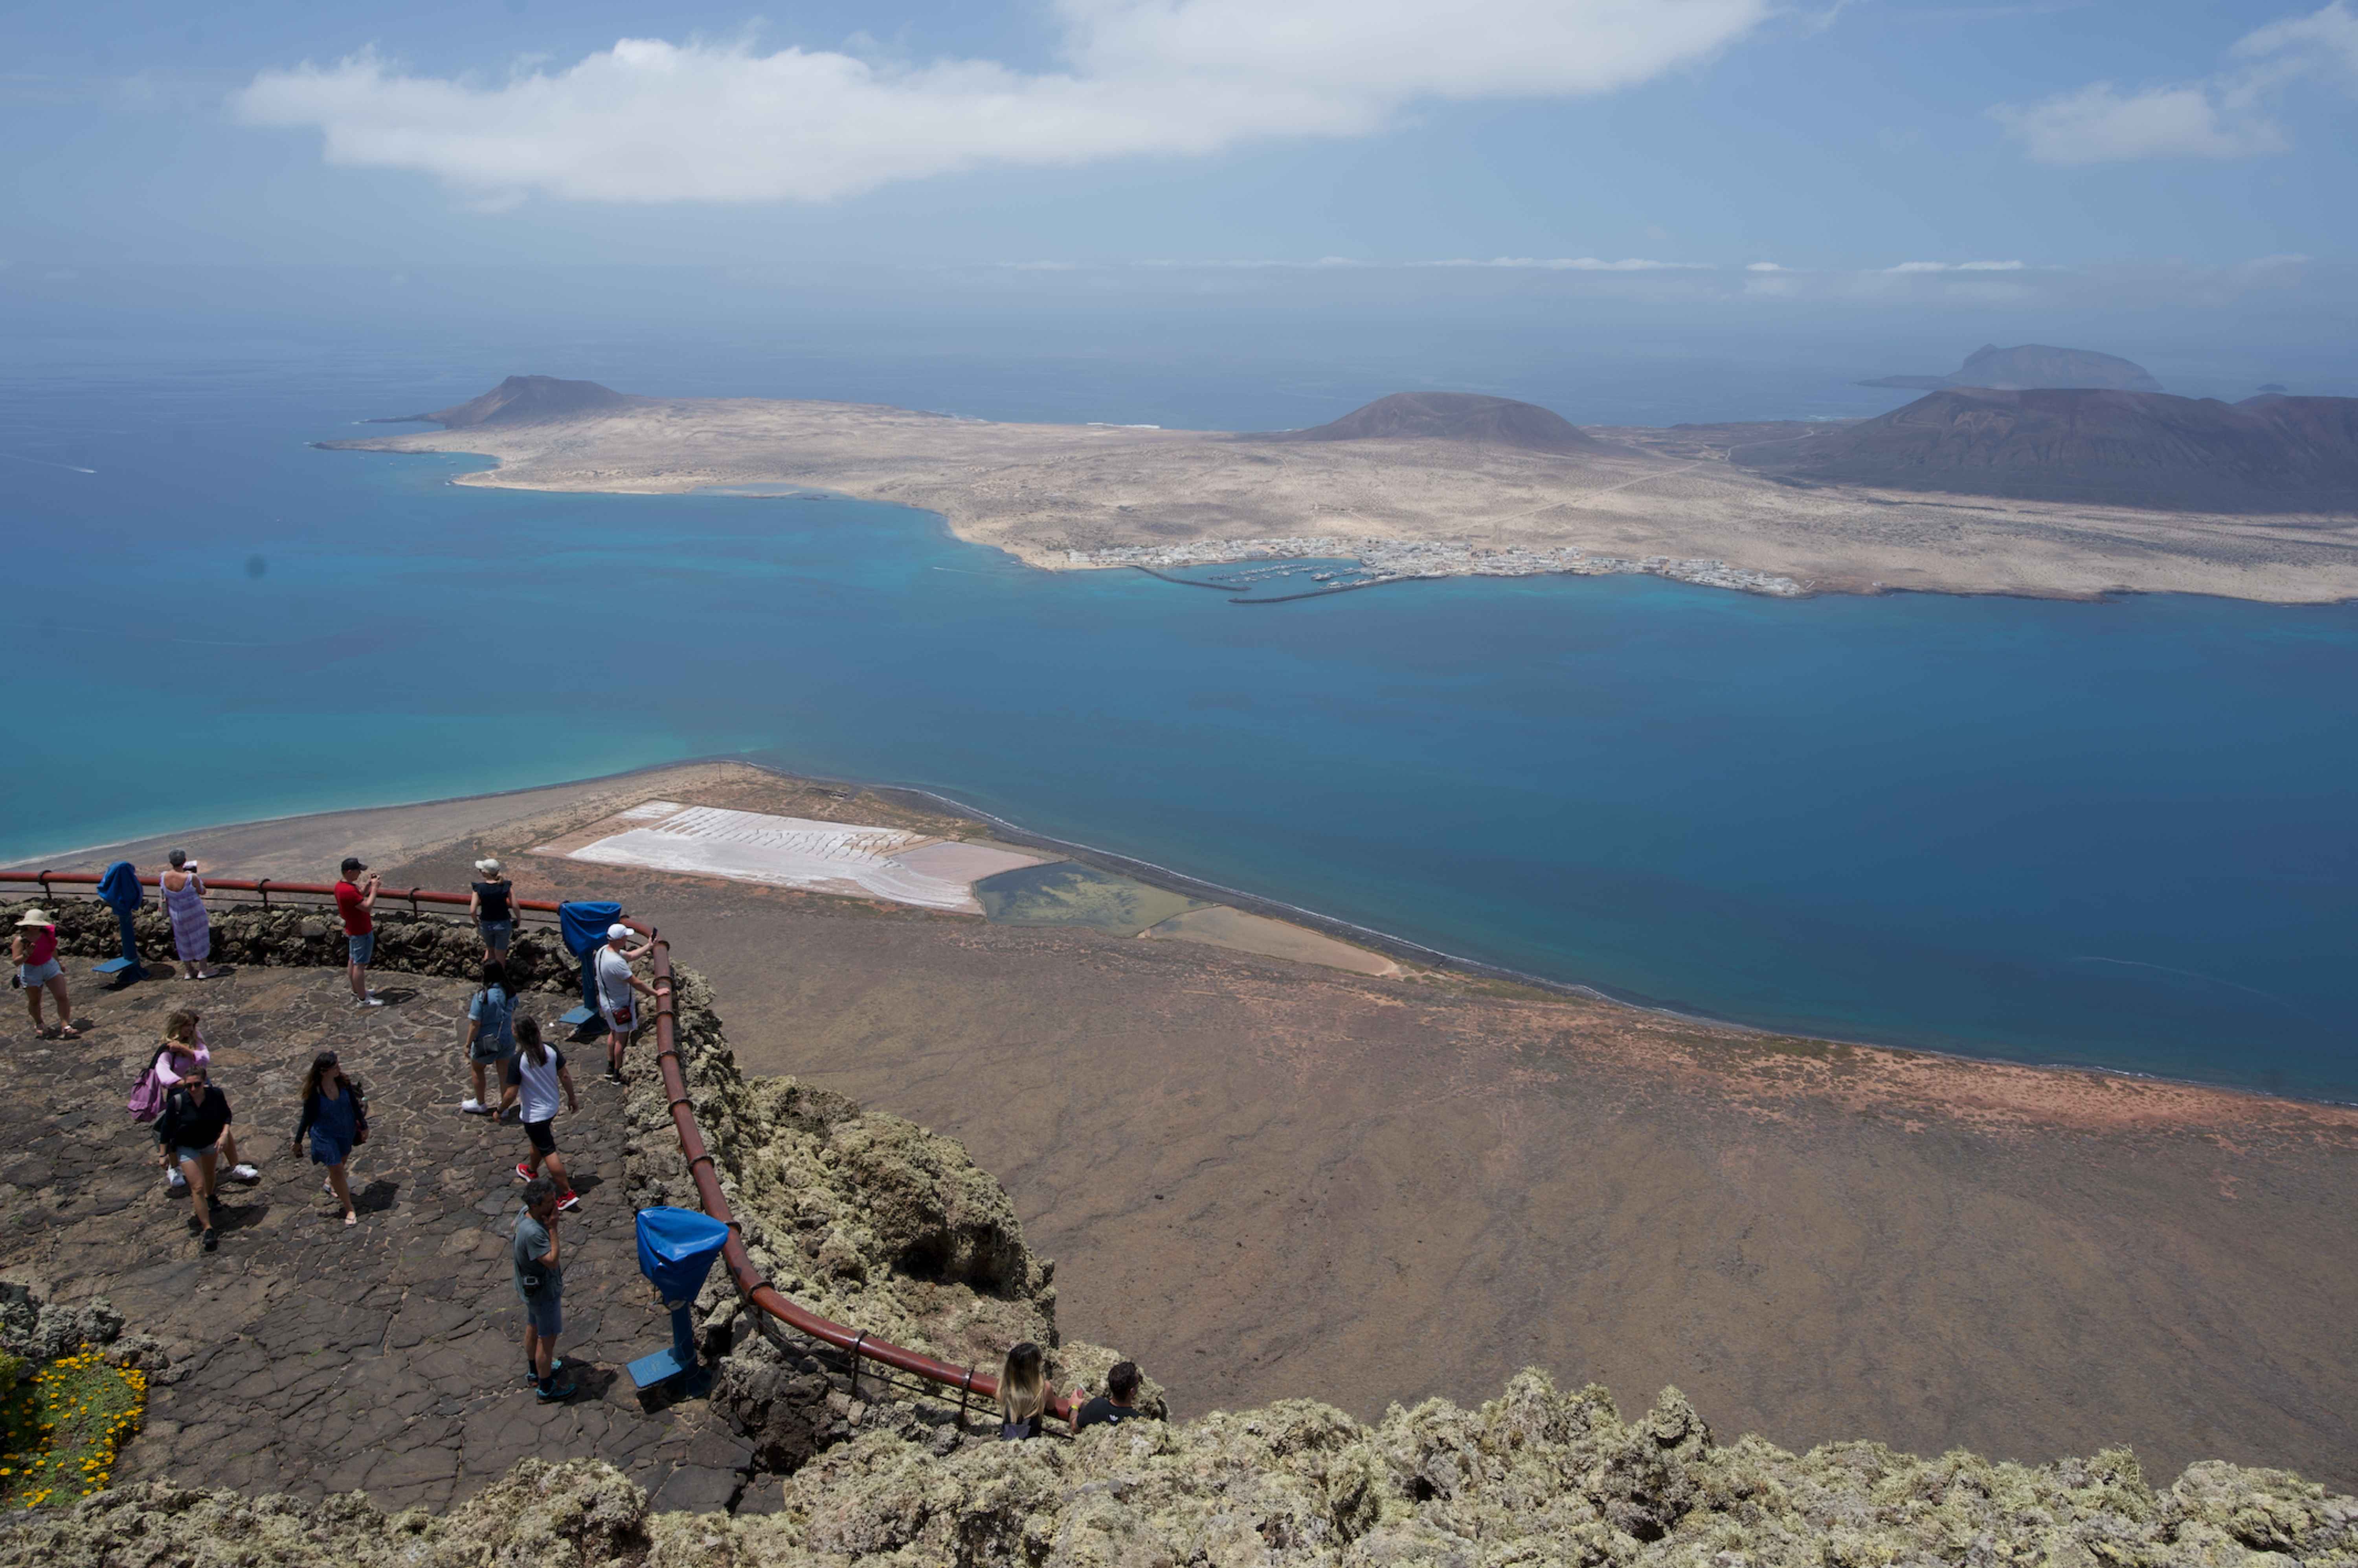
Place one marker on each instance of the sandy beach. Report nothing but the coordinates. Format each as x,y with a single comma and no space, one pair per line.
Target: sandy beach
1666,501
1264,1179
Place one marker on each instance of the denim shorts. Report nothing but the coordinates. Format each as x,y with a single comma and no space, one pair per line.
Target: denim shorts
187,1155
489,1048
497,933
543,1309
32,975
360,948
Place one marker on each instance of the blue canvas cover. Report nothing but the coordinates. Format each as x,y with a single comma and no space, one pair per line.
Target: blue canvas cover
584,924
677,1247
120,887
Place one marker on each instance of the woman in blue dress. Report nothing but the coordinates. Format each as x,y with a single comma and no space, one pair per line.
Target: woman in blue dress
336,1120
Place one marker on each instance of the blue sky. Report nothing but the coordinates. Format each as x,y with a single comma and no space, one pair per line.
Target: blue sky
1659,148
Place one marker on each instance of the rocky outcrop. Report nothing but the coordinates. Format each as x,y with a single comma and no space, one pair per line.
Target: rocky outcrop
2033,365
1536,1477
1451,417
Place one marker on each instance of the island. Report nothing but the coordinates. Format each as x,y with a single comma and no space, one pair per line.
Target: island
1436,484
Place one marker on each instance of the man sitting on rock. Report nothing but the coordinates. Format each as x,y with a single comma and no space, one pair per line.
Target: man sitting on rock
1112,1407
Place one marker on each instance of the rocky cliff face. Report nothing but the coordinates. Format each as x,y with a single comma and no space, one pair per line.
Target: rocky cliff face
1535,1476
878,1223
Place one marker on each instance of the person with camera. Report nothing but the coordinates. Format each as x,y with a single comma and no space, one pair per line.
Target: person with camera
356,901
540,1285
183,892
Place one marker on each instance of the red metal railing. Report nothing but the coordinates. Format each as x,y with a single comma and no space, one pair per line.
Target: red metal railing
857,1343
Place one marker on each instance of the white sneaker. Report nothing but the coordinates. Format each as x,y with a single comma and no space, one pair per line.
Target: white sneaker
474,1108
245,1174
372,999
175,1183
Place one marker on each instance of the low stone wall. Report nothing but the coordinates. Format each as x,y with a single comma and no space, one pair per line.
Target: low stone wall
308,937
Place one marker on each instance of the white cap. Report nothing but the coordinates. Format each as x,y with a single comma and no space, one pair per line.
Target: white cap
619,933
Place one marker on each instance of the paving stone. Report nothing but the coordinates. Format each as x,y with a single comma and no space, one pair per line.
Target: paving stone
310,1358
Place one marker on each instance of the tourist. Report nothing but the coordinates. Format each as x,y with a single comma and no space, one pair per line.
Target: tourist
181,1051
615,1002
1113,1407
493,908
183,889
537,1072
191,1125
490,1038
540,1283
336,1117
1022,1393
355,901
34,950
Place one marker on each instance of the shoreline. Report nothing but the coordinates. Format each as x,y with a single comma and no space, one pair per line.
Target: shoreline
1399,949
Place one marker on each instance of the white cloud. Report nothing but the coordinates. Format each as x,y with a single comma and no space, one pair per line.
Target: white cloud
1956,267
2223,115
2100,124
1765,266
650,121
1576,263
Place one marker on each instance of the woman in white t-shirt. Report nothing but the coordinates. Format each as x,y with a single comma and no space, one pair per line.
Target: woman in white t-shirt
537,1072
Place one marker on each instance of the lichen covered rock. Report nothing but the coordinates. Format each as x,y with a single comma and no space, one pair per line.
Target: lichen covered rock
1535,1478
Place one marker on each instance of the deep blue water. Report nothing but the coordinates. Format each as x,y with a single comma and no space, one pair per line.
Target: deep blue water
2114,834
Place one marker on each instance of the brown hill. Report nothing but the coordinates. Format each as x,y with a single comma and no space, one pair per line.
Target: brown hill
1451,417
528,400
2125,449
2033,365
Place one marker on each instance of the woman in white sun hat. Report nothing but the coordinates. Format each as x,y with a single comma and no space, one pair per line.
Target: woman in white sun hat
34,947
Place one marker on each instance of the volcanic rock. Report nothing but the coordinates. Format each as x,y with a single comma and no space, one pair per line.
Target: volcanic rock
2269,454
2033,365
1451,417
525,400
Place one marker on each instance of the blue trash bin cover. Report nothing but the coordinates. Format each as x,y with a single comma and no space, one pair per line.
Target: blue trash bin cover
120,887
585,921
677,1247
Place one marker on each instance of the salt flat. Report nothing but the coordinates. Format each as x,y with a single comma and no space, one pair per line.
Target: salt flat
890,863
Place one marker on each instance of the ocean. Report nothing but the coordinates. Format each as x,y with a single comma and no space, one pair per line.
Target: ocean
2116,834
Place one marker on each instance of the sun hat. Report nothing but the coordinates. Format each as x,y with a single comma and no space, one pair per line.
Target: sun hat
618,932
489,865
35,918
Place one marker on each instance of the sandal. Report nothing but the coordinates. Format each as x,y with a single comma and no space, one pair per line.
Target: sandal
350,1218
47,1032
71,1031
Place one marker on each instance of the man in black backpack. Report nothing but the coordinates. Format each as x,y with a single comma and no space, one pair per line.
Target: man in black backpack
190,1125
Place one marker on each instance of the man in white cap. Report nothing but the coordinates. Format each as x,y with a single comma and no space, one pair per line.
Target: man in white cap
615,1002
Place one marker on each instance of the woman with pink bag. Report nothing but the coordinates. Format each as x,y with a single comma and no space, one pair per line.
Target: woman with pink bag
183,1048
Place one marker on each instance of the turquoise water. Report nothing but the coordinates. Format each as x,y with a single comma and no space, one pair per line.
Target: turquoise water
2114,834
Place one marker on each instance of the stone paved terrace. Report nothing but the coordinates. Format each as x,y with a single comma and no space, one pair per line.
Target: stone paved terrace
311,1358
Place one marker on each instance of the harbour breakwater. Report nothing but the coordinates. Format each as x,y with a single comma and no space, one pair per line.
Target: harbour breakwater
1398,560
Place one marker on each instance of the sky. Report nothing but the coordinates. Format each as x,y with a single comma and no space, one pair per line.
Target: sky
2157,154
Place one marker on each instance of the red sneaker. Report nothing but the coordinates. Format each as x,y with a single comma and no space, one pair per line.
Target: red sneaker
569,1200
524,1172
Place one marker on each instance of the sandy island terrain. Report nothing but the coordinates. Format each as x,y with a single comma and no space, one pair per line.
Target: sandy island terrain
1664,501
1264,1179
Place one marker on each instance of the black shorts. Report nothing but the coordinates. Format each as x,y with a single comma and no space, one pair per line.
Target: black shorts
543,1136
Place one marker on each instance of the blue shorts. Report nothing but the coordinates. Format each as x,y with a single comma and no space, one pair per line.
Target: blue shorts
188,1156
497,933
360,948
543,1309
33,975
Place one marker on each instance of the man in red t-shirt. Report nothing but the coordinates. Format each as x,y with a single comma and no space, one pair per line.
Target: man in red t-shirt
353,901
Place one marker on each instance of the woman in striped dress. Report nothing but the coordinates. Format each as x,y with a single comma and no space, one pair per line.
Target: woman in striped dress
192,928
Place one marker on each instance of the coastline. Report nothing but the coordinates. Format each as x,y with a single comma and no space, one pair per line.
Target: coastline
1090,497
584,799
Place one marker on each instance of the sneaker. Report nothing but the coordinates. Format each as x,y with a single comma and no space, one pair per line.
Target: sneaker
567,1199
556,1368
613,1074
372,999
212,1238
474,1108
524,1172
245,1174
175,1183
550,1392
